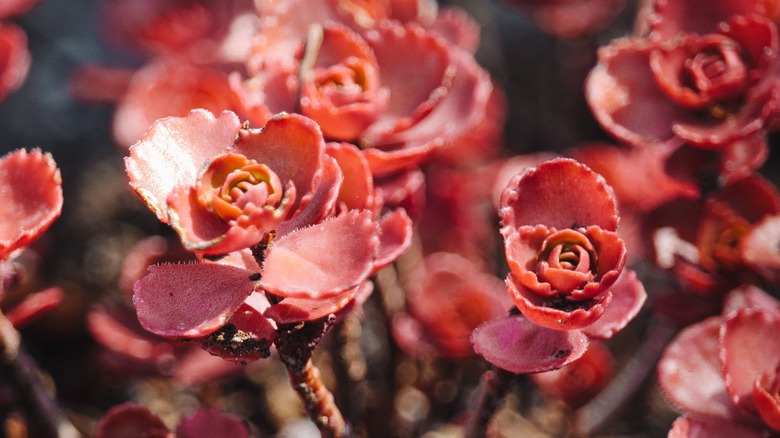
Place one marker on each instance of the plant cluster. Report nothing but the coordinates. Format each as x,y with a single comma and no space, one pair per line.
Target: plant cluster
338,200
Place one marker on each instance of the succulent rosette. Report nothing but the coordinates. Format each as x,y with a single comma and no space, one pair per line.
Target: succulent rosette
339,64
709,79
559,226
723,371
195,29
447,297
262,203
223,188
706,243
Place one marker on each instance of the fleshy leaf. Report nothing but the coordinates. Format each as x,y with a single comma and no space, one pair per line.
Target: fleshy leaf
761,248
395,236
31,189
621,88
564,193
690,427
292,310
628,296
357,190
749,296
516,344
291,145
210,422
14,58
636,174
569,315
129,420
749,348
689,372
322,260
34,306
672,16
173,151
190,300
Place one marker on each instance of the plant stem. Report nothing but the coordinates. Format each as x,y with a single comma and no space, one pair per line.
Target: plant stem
294,346
493,386
317,400
18,369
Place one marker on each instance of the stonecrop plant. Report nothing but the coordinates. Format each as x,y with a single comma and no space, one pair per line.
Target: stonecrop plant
392,218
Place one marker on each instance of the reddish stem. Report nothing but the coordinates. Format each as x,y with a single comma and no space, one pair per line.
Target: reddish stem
294,346
317,399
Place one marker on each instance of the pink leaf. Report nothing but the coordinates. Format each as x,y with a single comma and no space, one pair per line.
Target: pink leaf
750,347
190,300
564,193
628,297
32,198
689,372
621,88
34,306
357,190
292,310
395,237
14,58
516,344
568,315
291,145
322,260
209,422
689,427
173,151
129,420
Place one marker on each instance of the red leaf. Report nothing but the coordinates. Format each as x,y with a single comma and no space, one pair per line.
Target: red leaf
689,372
322,260
516,344
749,348
173,151
190,300
628,297
129,420
563,193
208,422
32,198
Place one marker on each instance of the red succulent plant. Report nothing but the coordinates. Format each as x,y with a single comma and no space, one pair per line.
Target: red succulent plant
447,297
709,79
259,208
559,226
566,267
196,30
705,243
338,63
723,371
